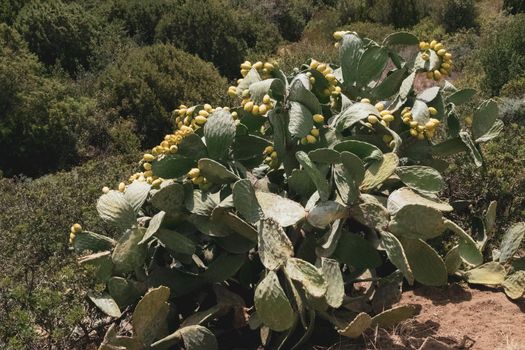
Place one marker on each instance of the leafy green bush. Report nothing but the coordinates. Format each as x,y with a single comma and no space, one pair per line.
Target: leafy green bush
139,18
148,83
59,32
399,13
262,216
9,10
514,6
457,14
503,53
42,291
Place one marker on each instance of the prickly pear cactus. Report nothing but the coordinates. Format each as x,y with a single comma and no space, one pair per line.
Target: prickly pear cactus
263,215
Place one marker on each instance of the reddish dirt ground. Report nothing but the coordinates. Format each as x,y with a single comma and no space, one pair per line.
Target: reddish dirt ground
454,317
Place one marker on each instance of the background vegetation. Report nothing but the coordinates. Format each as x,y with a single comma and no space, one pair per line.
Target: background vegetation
86,85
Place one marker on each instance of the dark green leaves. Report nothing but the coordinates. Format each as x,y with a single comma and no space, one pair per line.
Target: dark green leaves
318,179
216,172
371,64
246,202
350,52
421,178
272,305
172,166
301,122
484,117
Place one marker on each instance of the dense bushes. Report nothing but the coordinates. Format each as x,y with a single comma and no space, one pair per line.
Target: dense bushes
42,292
215,32
514,6
503,53
399,13
457,14
148,83
59,32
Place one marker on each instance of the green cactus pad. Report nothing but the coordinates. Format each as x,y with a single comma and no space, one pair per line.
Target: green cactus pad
224,267
308,275
124,291
453,260
325,213
357,252
421,178
484,118
390,318
176,241
379,171
154,226
100,262
272,305
371,213
364,150
136,194
128,254
335,291
403,196
92,241
113,208
169,198
357,327
172,166
300,183
216,172
396,253
275,248
511,241
325,155
246,202
285,211
219,132
468,249
417,221
427,266
514,284
105,303
491,273
149,317
317,178
112,341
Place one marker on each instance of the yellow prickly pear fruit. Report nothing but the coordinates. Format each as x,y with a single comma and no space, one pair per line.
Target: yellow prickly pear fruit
448,56
438,46
248,106
232,91
421,136
194,172
148,157
443,72
122,187
146,166
71,237
174,149
368,125
266,99
314,64
148,173
435,122
429,125
445,66
312,80
156,183
338,35
365,100
207,107
200,120
423,45
437,75
330,77
432,111
246,65
204,113
321,67
235,115
263,109
198,180
413,124
244,72
413,132
268,150
337,45
372,119
430,75
318,118
442,52
384,112
387,138
337,90
268,66
406,120
255,110
311,139
76,228
105,189
314,132
388,118
432,44
258,65
273,155
425,57
380,106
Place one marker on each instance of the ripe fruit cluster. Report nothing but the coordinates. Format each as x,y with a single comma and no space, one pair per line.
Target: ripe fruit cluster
329,75
263,68
251,107
271,157
76,228
445,58
421,131
197,179
193,117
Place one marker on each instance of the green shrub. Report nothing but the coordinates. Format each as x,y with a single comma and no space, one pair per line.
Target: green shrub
42,290
58,32
9,10
514,88
139,18
428,28
503,53
514,6
457,14
148,83
398,13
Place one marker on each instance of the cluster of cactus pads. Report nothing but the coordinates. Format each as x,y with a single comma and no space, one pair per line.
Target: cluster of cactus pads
281,233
